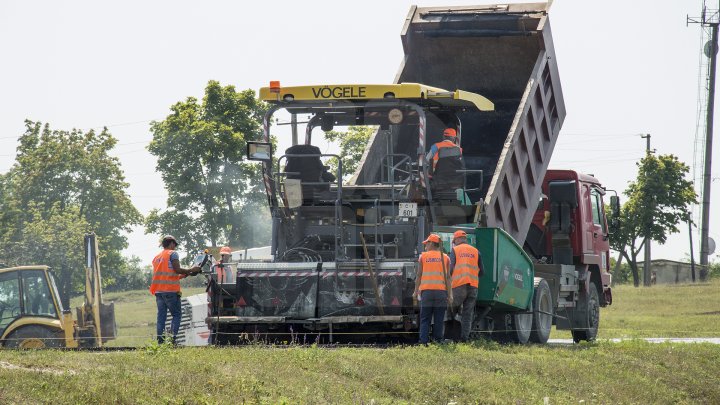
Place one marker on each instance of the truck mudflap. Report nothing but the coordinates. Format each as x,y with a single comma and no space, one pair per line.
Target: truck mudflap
305,291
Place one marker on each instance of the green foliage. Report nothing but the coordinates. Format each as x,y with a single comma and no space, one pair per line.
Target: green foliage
352,145
621,275
133,274
214,196
63,184
54,238
657,202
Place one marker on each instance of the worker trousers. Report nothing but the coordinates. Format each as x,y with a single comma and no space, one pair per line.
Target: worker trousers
464,299
168,301
433,305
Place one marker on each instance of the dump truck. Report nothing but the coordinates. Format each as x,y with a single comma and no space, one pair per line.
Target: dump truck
32,314
345,245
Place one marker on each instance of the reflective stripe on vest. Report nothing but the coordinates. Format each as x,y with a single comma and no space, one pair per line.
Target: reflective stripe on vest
466,270
441,145
164,279
432,271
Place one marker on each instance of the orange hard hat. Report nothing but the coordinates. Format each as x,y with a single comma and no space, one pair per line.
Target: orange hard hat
459,234
432,238
450,132
225,250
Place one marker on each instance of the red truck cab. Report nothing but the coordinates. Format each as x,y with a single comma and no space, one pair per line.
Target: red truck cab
584,230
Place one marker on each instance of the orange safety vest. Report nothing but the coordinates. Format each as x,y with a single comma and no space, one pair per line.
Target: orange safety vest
466,270
441,145
433,277
164,279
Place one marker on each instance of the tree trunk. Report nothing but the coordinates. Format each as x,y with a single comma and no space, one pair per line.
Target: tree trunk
633,266
619,260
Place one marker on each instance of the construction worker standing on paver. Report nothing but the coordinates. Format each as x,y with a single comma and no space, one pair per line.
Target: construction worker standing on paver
223,268
465,269
165,286
431,289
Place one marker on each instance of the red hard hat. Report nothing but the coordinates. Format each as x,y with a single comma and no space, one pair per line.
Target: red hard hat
450,132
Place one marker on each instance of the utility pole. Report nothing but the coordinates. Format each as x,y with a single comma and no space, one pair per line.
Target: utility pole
294,126
646,267
692,254
709,19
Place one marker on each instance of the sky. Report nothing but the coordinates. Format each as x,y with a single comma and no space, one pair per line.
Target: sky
626,67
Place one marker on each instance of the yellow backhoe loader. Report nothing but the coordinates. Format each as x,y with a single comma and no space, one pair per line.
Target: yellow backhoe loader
32,315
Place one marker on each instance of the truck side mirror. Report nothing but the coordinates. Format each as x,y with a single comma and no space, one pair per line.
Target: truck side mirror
260,151
614,206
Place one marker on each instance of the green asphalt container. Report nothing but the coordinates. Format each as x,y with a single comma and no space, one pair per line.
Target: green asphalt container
507,282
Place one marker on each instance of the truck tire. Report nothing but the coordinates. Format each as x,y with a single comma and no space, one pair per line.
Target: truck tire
586,317
541,318
512,327
34,337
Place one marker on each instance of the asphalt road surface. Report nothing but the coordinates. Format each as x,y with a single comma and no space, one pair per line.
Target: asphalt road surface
651,340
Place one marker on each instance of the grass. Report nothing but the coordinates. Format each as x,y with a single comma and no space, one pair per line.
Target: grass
628,372
482,372
683,310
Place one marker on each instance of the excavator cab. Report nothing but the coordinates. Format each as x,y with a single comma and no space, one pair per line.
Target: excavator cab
32,315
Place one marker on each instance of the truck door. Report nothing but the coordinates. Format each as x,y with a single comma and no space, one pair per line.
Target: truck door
601,243
588,228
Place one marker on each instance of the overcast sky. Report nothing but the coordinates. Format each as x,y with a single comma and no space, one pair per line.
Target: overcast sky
626,67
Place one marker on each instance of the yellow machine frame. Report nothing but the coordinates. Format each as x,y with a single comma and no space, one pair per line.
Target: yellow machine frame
410,91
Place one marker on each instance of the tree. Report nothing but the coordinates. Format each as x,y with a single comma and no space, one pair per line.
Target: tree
214,196
53,237
352,145
657,202
65,175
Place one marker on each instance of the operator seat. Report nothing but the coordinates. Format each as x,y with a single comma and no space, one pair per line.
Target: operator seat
445,177
308,169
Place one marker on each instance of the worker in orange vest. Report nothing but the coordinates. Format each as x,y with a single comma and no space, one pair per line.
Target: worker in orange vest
222,267
165,286
446,159
431,289
465,270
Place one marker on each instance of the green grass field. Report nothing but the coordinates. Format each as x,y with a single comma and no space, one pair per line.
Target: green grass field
628,372
135,314
483,372
684,310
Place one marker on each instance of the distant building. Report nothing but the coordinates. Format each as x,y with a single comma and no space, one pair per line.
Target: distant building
670,272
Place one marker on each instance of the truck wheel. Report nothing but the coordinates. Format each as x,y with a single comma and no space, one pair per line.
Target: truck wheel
34,337
542,307
586,316
512,328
